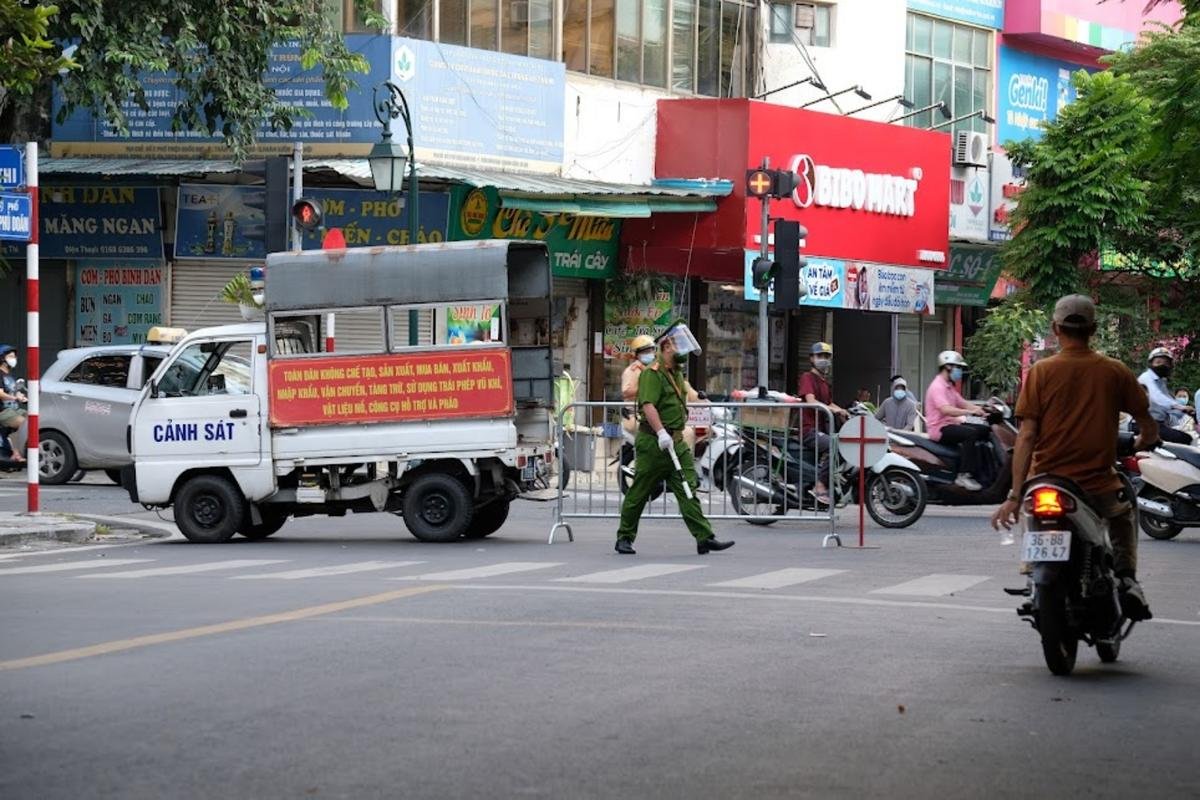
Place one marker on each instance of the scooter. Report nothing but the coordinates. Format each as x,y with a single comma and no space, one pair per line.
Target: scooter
1167,483
1072,589
11,464
939,463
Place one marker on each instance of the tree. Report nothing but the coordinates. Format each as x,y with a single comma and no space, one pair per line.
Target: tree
217,51
26,55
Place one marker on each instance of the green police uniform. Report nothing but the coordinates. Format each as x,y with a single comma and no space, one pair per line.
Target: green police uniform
664,389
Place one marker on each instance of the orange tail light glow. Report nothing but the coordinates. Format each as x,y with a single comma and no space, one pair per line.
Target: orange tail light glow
1050,502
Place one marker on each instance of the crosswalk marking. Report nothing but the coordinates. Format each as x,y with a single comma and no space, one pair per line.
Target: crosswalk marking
627,574
779,579
207,566
935,585
319,572
491,570
73,565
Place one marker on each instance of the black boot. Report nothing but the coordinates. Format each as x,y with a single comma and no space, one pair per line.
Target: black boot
712,543
625,547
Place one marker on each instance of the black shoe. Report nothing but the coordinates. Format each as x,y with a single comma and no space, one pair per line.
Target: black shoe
712,543
625,547
1133,601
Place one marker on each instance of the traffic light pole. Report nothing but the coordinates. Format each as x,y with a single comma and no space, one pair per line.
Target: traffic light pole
763,320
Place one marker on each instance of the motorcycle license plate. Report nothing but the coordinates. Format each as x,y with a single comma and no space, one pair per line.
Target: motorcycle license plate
1046,546
529,471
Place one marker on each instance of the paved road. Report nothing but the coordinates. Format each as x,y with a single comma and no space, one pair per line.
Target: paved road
341,658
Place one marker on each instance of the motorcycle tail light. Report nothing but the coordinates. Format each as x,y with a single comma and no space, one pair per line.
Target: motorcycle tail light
1049,502
1130,464
521,460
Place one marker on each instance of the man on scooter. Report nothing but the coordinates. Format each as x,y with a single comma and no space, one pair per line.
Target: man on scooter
1078,441
943,405
1159,366
815,388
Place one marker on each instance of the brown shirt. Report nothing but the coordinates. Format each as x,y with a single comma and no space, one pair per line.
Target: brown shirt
1076,397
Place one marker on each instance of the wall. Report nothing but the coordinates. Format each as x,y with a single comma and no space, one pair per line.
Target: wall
1025,15
868,50
609,130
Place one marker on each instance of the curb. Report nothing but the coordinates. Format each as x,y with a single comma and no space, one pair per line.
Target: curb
77,529
66,532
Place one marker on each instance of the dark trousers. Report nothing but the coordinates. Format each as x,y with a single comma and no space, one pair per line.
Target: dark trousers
965,436
817,443
1169,434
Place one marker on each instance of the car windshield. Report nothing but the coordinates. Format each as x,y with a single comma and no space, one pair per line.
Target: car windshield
208,368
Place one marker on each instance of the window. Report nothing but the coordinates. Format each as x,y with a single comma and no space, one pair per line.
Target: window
447,326
101,371
149,364
208,368
951,64
807,23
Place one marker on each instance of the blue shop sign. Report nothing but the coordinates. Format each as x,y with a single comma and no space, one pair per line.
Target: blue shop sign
985,13
97,222
12,167
16,216
1033,90
369,218
825,279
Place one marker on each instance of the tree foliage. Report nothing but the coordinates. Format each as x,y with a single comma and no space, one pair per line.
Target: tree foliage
216,51
26,54
994,352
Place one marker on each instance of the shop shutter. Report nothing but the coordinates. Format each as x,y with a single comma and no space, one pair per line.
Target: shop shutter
811,328
196,295
570,287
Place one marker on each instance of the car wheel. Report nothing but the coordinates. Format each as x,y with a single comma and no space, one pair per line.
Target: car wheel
209,509
437,508
56,459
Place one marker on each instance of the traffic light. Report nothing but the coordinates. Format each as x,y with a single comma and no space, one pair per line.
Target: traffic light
763,183
784,183
307,213
789,285
761,273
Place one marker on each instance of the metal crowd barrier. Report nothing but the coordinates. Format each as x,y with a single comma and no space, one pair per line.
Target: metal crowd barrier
751,464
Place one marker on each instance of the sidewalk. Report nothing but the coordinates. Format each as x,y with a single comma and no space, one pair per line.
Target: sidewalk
23,531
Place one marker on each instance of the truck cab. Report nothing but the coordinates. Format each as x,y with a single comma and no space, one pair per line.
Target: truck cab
437,409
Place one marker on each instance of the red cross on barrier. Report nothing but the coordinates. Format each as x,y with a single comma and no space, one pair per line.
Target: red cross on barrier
760,183
862,440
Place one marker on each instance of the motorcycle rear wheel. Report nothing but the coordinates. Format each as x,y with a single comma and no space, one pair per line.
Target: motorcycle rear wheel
895,497
1157,527
745,501
1059,644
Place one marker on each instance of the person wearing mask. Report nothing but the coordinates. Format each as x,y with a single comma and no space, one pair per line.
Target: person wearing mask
643,356
1061,436
944,405
662,414
1184,420
814,387
1163,405
899,411
864,397
12,416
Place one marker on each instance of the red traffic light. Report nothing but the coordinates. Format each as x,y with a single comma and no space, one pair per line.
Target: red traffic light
307,214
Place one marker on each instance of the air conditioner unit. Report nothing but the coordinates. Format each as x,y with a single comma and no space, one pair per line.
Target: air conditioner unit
970,149
519,12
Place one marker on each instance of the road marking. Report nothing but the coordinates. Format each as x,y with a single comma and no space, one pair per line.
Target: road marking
207,566
935,585
319,572
491,570
780,578
640,572
509,623
208,630
73,565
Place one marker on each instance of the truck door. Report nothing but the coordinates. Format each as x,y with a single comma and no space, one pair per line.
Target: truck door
203,409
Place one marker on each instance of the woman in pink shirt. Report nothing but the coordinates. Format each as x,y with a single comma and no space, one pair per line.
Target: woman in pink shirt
944,404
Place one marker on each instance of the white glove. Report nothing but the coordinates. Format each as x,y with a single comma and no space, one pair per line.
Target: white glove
665,441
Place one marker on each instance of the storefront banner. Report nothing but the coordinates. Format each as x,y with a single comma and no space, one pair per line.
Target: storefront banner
635,307
826,282
1008,181
986,13
391,388
970,190
972,276
96,222
325,129
1032,91
116,302
370,219
470,324
580,246
221,222
482,109
872,287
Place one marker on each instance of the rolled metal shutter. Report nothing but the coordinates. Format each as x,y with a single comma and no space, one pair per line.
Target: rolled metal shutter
196,294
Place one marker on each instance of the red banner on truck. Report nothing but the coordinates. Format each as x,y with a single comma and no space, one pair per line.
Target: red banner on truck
451,384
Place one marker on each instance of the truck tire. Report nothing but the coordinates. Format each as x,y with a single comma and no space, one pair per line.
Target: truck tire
489,519
272,521
209,509
437,508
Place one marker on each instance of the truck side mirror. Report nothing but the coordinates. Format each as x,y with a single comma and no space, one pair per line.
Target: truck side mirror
154,389
216,384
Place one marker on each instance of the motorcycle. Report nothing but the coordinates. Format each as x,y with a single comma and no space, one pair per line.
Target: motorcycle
1167,483
11,464
712,435
939,463
1073,590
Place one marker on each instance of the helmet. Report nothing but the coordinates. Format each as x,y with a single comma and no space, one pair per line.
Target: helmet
1158,352
642,342
952,357
5,349
821,349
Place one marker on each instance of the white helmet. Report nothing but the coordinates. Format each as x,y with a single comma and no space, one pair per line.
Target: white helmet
1160,352
952,357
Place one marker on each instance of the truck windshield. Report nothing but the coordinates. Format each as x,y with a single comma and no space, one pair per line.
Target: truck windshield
207,368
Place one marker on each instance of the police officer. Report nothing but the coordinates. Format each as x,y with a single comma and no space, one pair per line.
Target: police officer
662,414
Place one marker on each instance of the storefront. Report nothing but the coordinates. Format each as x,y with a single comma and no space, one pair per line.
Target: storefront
874,199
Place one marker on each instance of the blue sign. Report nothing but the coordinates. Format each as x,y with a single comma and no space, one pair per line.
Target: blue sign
481,108
369,218
221,222
1032,91
985,13
826,282
117,302
98,222
16,217
12,167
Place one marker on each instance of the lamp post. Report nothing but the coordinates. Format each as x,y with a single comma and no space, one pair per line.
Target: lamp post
387,157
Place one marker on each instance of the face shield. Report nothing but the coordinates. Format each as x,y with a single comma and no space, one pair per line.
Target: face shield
683,339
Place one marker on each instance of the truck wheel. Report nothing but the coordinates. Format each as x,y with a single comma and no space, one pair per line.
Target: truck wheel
488,519
209,509
114,475
272,520
56,459
437,508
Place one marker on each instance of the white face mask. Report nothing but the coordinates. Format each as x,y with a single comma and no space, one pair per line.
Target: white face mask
646,358
899,394
11,361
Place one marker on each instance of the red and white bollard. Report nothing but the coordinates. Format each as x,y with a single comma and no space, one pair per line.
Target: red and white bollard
33,326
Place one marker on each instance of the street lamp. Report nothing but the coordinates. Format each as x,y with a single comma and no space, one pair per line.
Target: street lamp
897,98
858,90
387,158
940,106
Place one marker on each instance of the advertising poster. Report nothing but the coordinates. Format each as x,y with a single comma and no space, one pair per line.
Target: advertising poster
826,281
116,302
368,218
96,222
633,308
387,388
221,222
970,190
971,277
472,324
1032,90
897,290
1008,181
